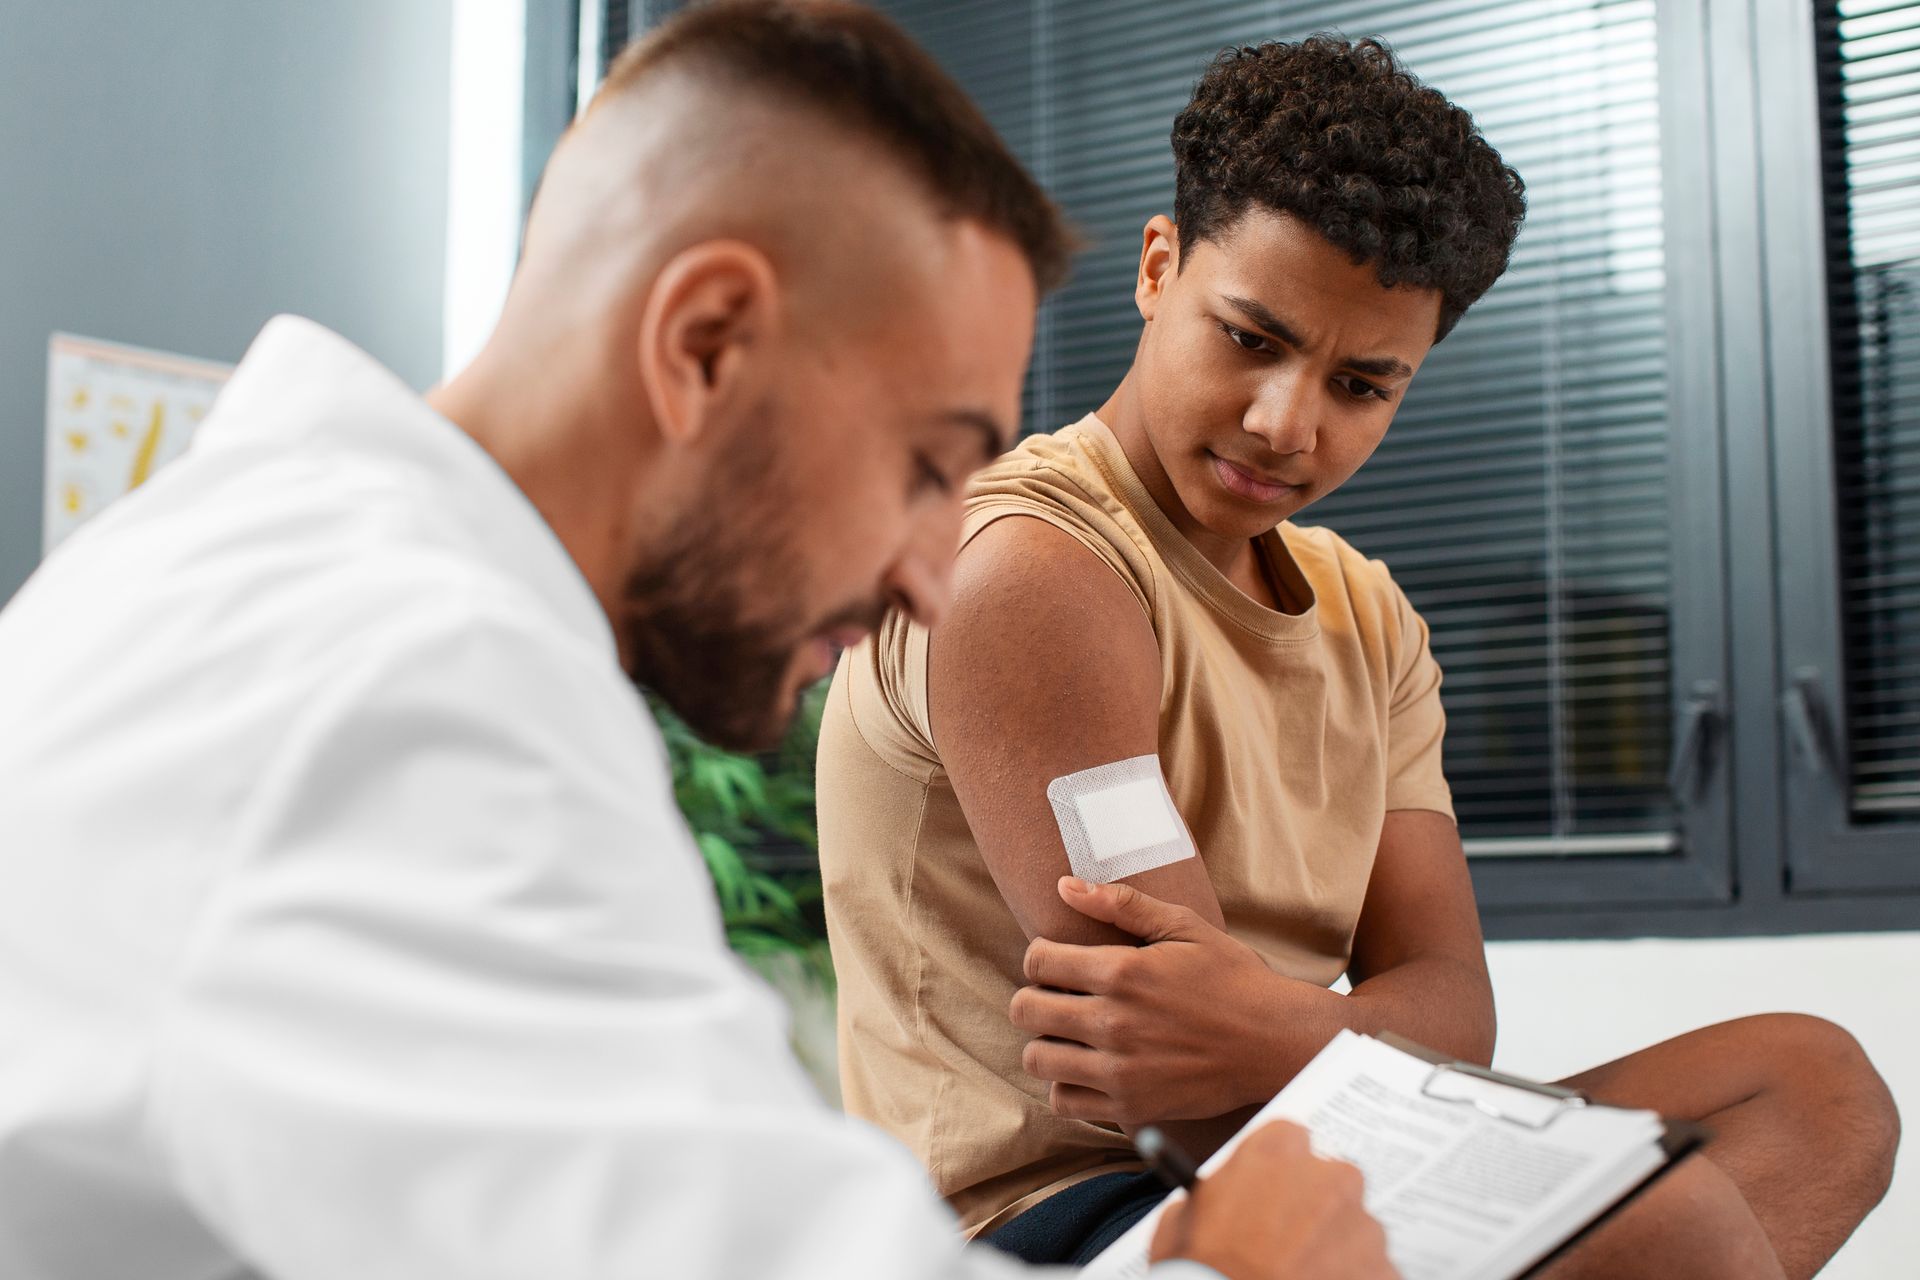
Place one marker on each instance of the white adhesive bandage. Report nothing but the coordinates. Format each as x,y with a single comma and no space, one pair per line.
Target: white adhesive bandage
1117,820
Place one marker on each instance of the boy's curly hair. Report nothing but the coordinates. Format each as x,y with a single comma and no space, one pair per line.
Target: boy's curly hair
1338,134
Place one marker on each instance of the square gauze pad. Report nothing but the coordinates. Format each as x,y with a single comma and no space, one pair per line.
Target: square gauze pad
1118,820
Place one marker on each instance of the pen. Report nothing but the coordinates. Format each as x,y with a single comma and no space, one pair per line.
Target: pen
1165,1157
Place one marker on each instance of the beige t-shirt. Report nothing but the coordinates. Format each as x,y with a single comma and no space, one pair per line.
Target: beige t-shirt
1285,739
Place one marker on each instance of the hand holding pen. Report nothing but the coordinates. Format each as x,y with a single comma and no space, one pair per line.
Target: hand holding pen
1272,1211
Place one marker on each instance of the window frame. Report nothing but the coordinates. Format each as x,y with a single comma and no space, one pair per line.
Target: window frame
1700,873
1799,867
1826,851
551,86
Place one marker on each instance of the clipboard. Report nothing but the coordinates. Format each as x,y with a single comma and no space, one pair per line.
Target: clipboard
1678,1140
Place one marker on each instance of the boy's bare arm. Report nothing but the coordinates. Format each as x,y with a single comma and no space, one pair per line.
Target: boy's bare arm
1045,666
1419,962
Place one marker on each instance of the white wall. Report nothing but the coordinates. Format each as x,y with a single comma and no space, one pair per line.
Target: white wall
1565,1006
171,175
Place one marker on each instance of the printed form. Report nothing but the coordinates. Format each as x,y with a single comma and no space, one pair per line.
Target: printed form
1472,1179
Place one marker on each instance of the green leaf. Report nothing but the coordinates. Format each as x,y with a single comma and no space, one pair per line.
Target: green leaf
734,803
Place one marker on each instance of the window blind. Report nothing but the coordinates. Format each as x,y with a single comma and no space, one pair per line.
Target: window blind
617,25
1521,496
1869,70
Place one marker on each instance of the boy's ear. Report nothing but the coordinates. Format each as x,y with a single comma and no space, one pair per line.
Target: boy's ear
1159,261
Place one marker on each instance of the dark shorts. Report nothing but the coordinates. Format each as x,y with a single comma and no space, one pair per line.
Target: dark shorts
1072,1226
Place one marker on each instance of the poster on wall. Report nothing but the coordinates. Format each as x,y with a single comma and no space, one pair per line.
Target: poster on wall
115,415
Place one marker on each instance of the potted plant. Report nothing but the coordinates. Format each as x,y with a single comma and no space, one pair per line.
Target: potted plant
753,819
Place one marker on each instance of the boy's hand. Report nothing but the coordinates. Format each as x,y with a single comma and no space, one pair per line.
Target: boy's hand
1190,1026
1275,1211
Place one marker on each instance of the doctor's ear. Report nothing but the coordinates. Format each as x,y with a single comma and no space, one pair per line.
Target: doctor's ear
709,305
1159,260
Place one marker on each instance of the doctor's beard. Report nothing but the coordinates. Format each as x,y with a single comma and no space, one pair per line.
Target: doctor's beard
687,636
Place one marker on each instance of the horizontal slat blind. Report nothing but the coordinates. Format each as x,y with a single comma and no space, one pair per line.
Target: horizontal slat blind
1870,70
1521,496
997,50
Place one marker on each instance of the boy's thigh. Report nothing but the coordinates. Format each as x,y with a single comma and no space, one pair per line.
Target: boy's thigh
1718,1068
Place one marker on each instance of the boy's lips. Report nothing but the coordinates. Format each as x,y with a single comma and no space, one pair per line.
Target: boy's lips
1247,484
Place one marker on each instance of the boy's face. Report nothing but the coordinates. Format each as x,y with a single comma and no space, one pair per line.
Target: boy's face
1269,368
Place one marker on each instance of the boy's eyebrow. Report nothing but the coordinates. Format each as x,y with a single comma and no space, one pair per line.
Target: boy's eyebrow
1272,324
1274,327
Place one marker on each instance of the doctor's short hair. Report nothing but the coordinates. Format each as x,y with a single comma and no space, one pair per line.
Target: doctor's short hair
854,67
1338,134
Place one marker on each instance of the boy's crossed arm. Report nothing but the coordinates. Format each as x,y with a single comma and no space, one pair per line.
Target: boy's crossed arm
1046,666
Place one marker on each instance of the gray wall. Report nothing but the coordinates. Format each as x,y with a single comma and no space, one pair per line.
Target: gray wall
174,174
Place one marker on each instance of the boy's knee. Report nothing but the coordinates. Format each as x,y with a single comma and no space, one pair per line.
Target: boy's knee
1831,1082
1813,1051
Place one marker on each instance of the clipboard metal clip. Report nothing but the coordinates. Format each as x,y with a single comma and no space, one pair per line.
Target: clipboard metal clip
1449,1082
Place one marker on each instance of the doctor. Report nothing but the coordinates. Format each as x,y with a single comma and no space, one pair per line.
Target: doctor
347,926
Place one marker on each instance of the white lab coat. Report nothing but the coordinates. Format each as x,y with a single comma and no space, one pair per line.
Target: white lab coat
348,929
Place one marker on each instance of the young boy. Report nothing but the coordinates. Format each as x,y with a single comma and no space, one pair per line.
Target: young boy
1130,589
